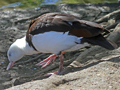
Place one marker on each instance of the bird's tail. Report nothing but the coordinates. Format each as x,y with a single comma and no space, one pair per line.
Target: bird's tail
101,41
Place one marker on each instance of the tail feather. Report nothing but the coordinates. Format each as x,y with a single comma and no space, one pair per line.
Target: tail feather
101,41
113,44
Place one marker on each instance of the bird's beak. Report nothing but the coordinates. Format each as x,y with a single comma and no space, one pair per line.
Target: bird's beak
10,65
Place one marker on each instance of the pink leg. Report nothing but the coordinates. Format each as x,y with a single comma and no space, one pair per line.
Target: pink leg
47,61
60,66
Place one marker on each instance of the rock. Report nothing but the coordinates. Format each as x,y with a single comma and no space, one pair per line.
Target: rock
96,72
95,77
16,82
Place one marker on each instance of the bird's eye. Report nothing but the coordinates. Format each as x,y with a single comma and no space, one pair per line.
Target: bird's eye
9,54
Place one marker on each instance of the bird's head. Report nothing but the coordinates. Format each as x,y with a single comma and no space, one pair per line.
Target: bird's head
14,53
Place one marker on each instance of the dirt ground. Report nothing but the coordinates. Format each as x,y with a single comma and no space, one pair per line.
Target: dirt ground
99,71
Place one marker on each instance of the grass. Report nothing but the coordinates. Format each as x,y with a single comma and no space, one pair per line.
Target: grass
34,3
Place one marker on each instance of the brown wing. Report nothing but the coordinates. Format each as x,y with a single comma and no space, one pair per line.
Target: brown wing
63,23
82,28
48,22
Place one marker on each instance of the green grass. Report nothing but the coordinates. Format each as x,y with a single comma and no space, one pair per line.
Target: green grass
34,3
29,3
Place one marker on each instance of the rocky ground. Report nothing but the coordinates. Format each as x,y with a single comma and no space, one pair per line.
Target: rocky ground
91,68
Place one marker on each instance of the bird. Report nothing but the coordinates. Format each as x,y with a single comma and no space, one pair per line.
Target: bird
57,33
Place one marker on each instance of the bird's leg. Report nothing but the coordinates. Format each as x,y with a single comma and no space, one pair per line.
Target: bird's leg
61,63
60,66
46,62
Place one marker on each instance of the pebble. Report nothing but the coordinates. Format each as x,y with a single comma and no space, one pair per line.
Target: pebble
2,62
27,64
35,68
98,74
14,9
19,65
37,8
16,82
15,68
8,75
90,57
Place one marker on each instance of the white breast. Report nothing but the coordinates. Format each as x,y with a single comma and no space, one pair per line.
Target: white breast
54,42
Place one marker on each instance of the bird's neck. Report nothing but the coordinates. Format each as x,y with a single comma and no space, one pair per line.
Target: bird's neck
28,50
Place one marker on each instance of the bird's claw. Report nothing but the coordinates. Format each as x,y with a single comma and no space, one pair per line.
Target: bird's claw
47,61
49,74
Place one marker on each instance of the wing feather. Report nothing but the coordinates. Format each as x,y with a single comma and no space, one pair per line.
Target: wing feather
63,23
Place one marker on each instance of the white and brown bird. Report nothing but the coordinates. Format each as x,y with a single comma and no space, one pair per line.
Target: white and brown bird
57,33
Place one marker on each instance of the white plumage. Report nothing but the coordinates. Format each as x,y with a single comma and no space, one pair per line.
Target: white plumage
54,42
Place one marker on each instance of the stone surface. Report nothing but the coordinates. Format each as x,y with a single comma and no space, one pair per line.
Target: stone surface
100,72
